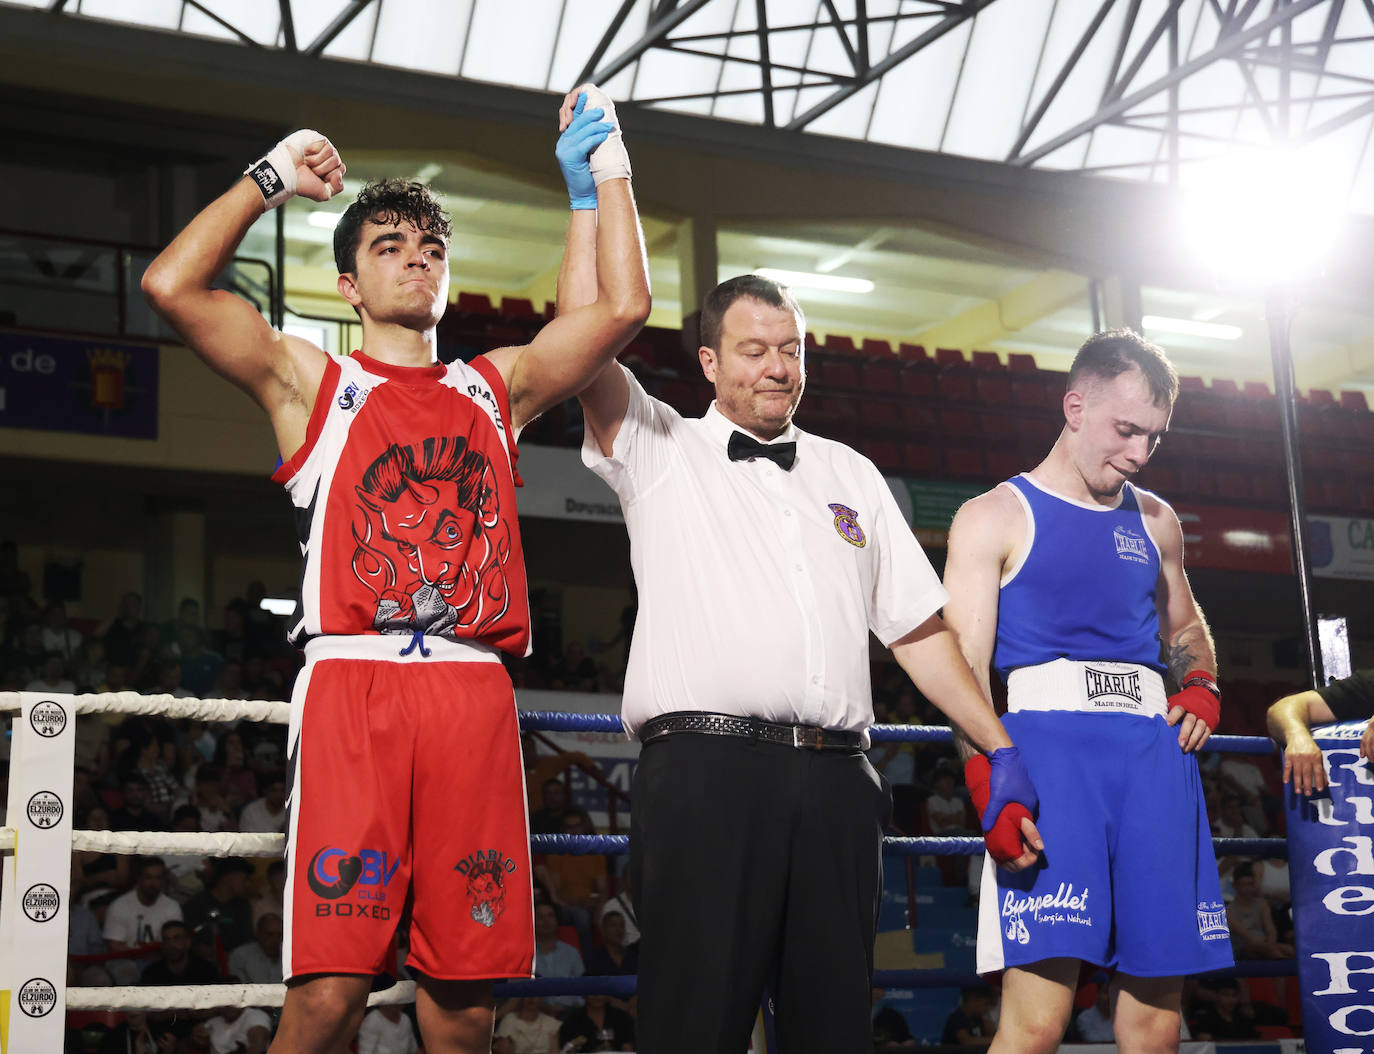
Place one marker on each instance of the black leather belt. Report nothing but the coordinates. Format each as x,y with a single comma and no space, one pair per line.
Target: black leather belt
800,736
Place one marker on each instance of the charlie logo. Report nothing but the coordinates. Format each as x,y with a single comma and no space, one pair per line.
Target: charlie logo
486,872
847,524
37,997
41,902
1109,689
353,397
1211,921
45,810
1131,546
47,718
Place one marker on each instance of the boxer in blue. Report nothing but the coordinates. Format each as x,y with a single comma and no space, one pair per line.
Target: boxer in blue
1069,581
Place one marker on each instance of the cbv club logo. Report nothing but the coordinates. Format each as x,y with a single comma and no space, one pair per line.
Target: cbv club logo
334,873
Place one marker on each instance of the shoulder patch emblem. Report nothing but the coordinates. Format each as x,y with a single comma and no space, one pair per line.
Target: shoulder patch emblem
847,525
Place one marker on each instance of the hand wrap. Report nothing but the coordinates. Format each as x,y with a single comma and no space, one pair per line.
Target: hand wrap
1200,697
609,160
275,171
583,135
1003,795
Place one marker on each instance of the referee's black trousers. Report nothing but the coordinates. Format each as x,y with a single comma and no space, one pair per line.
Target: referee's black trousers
755,864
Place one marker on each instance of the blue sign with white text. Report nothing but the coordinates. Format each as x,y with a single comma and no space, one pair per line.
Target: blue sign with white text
65,384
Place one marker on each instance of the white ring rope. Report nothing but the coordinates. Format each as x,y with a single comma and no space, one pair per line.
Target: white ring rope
274,713
209,996
168,843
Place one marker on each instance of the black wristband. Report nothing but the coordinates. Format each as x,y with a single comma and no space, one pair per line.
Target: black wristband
1203,682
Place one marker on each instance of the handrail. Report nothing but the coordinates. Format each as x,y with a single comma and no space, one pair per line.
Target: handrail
597,775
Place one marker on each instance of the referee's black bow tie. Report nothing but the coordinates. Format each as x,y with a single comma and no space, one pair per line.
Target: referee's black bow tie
743,447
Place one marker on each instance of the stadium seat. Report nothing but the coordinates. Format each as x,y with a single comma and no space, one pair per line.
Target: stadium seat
918,380
840,345
965,462
517,307
950,357
877,348
987,360
918,460
961,424
1354,401
993,388
475,304
1020,362
912,353
954,386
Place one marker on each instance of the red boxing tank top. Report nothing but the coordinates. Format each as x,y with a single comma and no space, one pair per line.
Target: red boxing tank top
405,506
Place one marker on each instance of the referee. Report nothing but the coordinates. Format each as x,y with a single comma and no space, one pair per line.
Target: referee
1291,718
764,555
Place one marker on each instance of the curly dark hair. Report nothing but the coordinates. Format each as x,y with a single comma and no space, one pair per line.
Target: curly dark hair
386,201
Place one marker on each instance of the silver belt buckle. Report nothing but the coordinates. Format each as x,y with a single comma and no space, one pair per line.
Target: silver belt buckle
803,736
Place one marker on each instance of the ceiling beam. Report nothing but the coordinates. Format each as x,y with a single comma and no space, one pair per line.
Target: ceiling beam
1009,313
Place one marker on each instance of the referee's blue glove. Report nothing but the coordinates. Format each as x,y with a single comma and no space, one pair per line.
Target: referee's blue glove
583,135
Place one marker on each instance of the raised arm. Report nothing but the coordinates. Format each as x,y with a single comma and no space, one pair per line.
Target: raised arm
281,373
573,349
1189,651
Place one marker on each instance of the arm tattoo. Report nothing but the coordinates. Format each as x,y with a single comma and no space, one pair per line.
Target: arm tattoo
1191,649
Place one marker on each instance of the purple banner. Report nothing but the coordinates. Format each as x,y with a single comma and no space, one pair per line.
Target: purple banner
61,384
1331,864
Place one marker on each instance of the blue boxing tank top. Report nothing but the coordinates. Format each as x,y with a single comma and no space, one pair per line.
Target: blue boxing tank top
1085,590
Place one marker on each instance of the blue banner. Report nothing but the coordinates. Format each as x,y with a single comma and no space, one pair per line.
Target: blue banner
1331,866
60,384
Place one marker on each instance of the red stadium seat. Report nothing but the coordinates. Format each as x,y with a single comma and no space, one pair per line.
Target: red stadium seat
950,357
918,381
965,462
1004,463
960,423
912,353
987,360
475,304
993,388
1257,390
1020,362
954,386
918,459
1320,397
1192,384
885,454
840,345
1354,401
517,307
877,348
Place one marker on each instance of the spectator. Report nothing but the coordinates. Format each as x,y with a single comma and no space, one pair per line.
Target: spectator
1230,822
184,869
58,637
175,963
232,641
577,884
145,758
240,785
1095,1024
1252,922
1243,777
236,1030
259,961
83,938
167,680
123,633
549,818
612,959
1224,1019
946,814
220,914
136,813
148,656
52,677
188,614
272,900
199,665
598,1026
555,958
621,903
88,669
889,1027
530,1030
386,1030
575,671
267,815
135,919
92,870
969,1025
137,1035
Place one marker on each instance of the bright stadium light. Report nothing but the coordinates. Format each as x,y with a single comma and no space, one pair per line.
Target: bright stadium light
1262,217
1190,327
807,280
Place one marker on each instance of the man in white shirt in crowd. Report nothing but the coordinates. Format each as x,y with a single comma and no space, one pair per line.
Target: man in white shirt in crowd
136,918
239,1030
386,1030
267,815
555,958
764,556
259,961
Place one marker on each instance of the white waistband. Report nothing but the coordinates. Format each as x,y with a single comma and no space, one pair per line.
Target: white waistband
1094,687
387,647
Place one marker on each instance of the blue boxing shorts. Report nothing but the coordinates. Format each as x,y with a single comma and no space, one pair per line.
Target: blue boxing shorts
1128,878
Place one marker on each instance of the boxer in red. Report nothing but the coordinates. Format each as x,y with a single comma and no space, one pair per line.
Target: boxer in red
407,788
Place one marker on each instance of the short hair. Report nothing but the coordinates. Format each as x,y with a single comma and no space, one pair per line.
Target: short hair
174,924
142,863
386,201
183,811
742,287
1111,353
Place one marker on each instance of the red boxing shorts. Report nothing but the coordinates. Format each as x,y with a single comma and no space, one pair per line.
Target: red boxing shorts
407,793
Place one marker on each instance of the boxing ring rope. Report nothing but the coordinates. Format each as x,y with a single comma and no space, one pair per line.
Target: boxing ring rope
191,997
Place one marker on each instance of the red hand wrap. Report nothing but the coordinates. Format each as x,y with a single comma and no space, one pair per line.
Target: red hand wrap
1004,841
1202,702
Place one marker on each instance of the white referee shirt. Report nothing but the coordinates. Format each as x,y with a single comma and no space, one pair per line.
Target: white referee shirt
757,585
